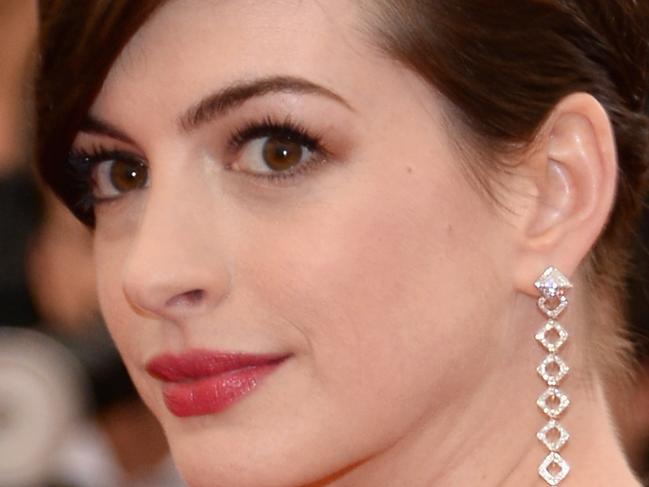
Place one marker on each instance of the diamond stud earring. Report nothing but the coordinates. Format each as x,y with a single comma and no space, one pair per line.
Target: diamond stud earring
553,286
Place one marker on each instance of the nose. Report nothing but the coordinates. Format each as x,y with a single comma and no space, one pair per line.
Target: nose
175,267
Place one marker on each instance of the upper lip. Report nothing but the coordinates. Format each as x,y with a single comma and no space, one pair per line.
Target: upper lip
197,364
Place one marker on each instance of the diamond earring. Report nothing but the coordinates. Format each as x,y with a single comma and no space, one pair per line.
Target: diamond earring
553,286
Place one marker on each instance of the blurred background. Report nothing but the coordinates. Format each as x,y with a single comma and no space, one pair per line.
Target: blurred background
69,416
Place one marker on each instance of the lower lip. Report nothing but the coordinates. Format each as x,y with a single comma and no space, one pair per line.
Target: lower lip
212,395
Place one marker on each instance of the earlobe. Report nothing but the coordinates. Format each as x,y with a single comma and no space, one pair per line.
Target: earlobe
574,171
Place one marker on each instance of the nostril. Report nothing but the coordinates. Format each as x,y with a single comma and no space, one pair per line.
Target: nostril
189,298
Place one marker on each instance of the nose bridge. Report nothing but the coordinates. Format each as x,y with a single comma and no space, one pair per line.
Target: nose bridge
174,267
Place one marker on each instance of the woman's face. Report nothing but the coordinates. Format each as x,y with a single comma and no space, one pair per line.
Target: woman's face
270,184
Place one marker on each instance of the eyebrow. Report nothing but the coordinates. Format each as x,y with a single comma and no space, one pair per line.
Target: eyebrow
221,102
238,93
93,125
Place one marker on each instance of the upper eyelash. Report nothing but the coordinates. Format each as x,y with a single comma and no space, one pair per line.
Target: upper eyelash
271,127
80,164
82,161
85,159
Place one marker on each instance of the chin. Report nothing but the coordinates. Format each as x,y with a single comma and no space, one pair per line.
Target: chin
201,466
215,451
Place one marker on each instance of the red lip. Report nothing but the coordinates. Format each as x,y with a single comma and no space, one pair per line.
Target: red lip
201,382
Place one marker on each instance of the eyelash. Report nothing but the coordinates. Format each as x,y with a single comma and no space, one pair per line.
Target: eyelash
82,161
270,127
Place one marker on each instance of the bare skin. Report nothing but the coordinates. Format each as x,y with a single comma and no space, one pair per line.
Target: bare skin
402,295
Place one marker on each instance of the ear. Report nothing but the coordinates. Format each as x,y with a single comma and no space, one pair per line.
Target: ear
573,176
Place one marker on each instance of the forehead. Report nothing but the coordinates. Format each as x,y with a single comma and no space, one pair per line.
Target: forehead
191,47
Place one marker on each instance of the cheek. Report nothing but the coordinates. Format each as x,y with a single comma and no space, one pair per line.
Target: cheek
111,298
135,338
375,285
127,333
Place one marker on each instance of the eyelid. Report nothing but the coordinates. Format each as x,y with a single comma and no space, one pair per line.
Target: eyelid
112,192
269,126
254,132
86,161
83,160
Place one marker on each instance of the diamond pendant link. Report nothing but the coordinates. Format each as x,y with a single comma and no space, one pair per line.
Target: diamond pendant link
552,312
549,327
556,395
553,379
562,435
554,459
553,402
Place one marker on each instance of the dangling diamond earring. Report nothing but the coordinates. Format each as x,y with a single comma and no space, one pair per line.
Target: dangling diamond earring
553,285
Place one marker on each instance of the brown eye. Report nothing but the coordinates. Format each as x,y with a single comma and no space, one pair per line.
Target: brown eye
127,175
115,177
282,153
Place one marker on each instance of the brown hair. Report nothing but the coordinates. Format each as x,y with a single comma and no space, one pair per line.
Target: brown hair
79,42
502,66
504,69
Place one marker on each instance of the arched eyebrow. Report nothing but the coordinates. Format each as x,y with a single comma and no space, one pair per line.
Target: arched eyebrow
219,103
96,126
235,95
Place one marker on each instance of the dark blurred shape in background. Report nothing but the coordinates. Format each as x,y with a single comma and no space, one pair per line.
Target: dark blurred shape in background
69,415
19,205
19,215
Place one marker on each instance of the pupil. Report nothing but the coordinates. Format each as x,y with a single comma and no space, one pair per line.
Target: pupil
281,154
127,175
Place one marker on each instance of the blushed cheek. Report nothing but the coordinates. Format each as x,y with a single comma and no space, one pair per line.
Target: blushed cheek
368,280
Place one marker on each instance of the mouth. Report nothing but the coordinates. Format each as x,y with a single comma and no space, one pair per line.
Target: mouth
203,382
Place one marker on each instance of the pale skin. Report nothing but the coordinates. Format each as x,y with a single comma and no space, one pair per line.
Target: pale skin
403,295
